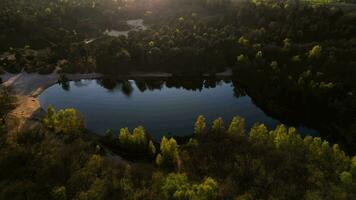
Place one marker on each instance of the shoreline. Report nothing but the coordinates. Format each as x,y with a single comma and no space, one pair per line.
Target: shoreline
28,86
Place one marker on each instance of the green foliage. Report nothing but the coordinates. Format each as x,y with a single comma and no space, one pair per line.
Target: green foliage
266,155
231,166
243,41
152,148
169,152
218,125
296,58
237,126
242,58
43,165
66,121
315,52
137,138
177,186
199,126
159,160
346,177
263,164
59,193
137,142
259,55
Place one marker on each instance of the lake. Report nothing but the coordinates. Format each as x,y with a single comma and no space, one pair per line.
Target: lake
163,107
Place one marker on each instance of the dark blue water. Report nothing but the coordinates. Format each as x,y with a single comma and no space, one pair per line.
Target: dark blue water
161,109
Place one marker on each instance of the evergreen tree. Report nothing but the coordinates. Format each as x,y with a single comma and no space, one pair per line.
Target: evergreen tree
199,126
218,125
237,126
169,152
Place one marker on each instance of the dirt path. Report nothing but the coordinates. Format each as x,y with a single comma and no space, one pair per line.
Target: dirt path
135,24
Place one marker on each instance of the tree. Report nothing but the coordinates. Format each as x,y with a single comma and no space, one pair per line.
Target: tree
296,58
177,186
258,132
139,136
169,152
243,41
315,52
135,142
124,136
218,124
199,126
237,126
59,193
207,190
242,58
259,55
64,121
151,148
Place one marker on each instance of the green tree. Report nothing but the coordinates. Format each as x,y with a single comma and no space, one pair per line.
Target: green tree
296,58
124,137
315,52
177,186
65,121
199,125
169,152
243,41
151,148
346,177
259,55
135,142
237,126
218,124
242,58
207,190
59,193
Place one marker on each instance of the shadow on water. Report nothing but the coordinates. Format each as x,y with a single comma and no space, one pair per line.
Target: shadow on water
164,106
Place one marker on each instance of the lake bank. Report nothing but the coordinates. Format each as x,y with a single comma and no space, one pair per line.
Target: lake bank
28,86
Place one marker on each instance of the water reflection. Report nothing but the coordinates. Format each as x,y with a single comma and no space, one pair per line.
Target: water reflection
164,107
126,86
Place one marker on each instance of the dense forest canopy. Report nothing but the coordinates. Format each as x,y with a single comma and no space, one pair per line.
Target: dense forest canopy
295,59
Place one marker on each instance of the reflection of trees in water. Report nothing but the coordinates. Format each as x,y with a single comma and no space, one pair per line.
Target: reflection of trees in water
239,91
65,85
196,84
82,83
126,87
112,85
107,83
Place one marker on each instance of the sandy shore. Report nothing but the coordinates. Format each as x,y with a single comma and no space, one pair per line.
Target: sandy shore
27,87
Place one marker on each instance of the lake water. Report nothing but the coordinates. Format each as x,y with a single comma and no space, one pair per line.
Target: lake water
163,107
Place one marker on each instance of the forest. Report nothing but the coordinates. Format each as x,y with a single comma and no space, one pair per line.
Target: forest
296,60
